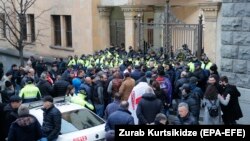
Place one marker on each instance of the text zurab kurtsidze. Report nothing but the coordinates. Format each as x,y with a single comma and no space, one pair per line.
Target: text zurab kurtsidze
153,132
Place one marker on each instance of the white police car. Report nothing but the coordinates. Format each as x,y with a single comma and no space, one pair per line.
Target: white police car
78,123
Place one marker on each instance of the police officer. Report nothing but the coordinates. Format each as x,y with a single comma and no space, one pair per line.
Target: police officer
81,99
30,92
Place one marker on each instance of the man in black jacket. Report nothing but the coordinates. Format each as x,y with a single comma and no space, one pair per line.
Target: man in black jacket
51,119
148,107
10,112
2,120
184,116
231,110
60,87
26,127
44,86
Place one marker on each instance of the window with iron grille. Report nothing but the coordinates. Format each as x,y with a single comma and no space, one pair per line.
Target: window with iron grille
23,24
32,27
57,30
68,31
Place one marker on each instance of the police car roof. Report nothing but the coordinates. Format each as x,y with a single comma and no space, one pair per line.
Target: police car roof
59,102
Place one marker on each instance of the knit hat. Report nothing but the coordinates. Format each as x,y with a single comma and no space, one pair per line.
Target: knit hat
29,80
23,110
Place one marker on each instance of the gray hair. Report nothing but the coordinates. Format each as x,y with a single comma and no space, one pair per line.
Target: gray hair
43,75
183,104
160,117
124,104
149,90
23,110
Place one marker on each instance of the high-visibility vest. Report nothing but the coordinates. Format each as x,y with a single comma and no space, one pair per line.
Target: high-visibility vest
80,100
30,91
72,62
191,66
206,66
80,61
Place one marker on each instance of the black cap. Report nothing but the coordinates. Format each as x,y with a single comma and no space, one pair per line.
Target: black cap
48,99
29,80
15,98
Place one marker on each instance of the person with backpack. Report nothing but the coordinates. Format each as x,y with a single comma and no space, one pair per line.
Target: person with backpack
212,114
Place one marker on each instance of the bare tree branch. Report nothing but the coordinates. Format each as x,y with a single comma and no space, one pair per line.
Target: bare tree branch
14,23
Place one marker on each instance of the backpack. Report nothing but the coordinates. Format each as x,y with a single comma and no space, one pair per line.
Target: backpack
214,109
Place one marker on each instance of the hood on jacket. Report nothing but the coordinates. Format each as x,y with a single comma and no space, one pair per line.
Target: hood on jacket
149,96
25,121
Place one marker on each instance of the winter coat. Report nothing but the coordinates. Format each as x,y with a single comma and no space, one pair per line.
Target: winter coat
45,87
2,121
148,107
25,128
232,111
6,94
166,86
10,116
51,123
208,120
89,90
188,120
126,88
119,117
178,84
199,74
111,108
114,86
60,88
193,104
99,92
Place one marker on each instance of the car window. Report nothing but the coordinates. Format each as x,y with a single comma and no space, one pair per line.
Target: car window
79,120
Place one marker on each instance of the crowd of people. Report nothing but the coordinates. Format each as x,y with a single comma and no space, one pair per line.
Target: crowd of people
103,82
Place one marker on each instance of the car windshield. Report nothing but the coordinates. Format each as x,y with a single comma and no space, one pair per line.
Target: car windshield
78,120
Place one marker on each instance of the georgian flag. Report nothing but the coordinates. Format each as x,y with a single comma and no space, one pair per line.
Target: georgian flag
135,97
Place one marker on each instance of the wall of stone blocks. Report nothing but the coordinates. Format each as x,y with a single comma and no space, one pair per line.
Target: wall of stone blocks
235,42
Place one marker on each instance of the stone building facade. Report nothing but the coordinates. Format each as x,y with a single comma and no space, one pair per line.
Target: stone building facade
84,26
235,48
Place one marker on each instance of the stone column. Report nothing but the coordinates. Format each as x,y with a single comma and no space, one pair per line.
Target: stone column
210,11
104,25
129,14
158,32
